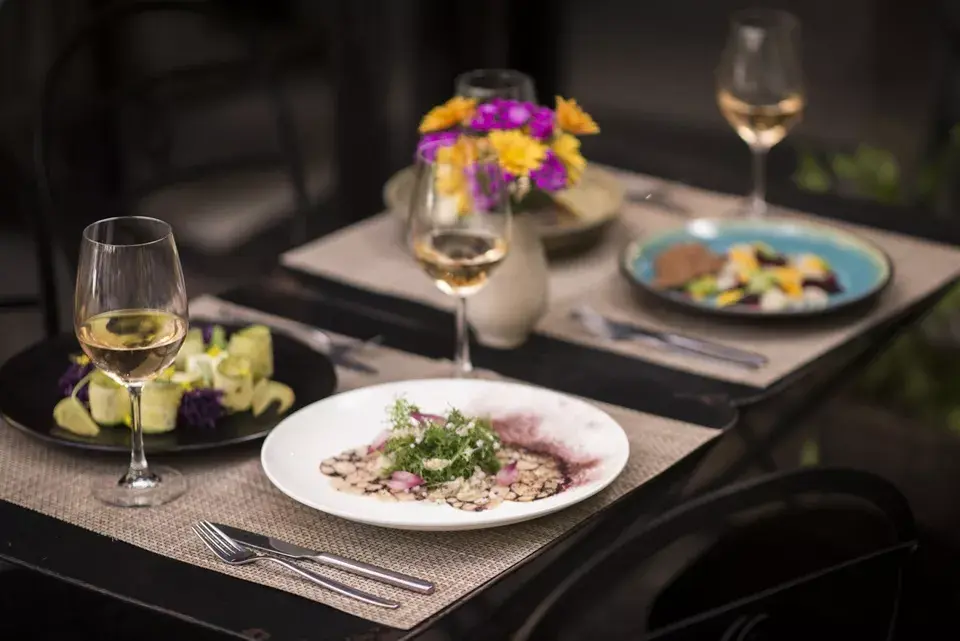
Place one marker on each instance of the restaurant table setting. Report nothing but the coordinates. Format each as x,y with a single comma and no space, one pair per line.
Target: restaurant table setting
595,279
501,209
230,488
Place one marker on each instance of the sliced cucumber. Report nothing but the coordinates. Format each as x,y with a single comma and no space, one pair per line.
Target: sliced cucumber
159,405
109,401
256,344
267,392
71,415
234,377
192,344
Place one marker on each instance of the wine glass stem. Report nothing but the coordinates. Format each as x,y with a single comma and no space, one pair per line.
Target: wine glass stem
758,198
464,366
138,460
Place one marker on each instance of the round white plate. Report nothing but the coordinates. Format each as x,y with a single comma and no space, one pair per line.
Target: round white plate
292,453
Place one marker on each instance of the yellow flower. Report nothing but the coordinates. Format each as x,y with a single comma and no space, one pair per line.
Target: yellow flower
567,149
517,153
450,113
451,178
460,154
572,118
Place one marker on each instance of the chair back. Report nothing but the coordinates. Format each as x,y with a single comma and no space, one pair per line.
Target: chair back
115,123
797,555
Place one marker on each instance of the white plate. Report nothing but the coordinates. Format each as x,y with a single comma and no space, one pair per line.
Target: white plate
292,453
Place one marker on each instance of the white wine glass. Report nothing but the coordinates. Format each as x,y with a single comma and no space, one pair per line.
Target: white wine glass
130,316
459,230
760,87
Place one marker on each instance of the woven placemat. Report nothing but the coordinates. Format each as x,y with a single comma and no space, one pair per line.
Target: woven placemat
920,268
232,489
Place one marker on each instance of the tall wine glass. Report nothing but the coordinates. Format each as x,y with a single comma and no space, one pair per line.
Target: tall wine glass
484,85
130,317
459,230
760,86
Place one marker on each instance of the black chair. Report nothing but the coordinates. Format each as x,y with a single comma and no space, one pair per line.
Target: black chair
104,135
814,553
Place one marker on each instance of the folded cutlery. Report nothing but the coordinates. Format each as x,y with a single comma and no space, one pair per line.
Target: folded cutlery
293,551
230,552
603,327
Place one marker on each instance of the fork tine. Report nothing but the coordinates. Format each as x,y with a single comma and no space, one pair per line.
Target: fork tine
205,538
229,543
211,537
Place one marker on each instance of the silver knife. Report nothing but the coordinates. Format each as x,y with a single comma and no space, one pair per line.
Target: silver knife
293,551
603,327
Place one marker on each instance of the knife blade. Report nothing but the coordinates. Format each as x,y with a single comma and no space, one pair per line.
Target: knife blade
293,551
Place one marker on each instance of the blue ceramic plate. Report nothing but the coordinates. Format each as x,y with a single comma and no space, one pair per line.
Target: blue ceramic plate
861,269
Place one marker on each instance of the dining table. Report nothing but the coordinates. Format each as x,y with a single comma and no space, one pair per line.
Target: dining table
839,390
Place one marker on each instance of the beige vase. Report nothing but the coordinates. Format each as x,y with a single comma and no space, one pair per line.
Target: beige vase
505,312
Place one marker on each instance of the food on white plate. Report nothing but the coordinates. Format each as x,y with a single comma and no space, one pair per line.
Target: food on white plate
450,459
213,375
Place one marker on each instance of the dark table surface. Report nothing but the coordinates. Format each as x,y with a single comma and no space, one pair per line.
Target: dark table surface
857,406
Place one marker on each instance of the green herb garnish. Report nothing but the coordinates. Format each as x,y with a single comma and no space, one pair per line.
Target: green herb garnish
439,449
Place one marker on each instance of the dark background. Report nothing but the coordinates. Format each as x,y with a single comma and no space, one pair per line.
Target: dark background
153,115
147,99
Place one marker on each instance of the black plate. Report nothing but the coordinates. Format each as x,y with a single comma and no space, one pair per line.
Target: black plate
28,393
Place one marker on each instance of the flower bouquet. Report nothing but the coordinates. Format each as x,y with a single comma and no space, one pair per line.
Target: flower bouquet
533,150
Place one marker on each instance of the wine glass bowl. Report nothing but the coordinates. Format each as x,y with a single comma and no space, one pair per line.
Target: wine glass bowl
459,229
130,317
760,86
486,84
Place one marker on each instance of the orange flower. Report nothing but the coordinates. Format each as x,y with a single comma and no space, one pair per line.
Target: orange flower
573,119
452,112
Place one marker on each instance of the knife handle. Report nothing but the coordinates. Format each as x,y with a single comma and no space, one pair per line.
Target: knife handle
376,573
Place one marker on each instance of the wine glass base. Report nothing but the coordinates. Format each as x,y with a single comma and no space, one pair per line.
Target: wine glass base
747,210
162,485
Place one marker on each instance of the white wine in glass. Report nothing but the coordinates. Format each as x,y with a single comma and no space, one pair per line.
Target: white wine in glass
130,318
459,227
760,86
459,261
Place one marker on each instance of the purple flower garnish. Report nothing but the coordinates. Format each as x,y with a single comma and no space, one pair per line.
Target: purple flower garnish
207,331
541,123
501,114
487,183
200,408
552,175
71,377
430,143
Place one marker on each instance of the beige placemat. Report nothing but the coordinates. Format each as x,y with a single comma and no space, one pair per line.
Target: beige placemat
920,268
232,489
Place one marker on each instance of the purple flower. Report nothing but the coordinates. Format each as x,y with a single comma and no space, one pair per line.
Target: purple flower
487,184
71,377
486,117
200,408
501,114
207,331
552,175
430,143
541,123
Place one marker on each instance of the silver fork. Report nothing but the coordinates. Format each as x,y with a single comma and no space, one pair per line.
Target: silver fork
232,553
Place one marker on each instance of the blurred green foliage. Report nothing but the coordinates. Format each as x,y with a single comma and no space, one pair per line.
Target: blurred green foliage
875,174
920,371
